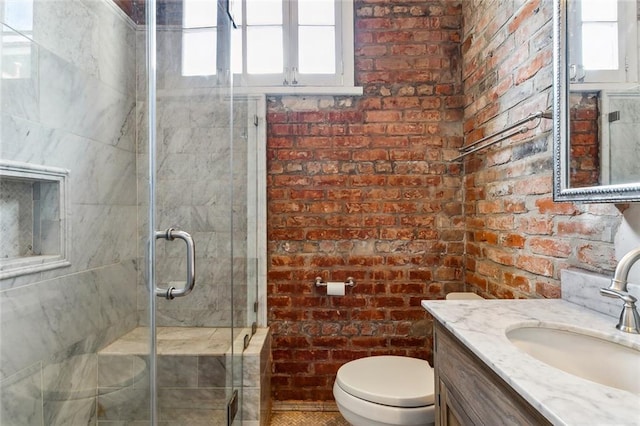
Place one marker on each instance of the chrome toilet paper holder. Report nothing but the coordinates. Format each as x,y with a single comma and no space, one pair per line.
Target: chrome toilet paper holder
350,282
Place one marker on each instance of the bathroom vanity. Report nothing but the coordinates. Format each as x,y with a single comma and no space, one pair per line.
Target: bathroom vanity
483,377
468,392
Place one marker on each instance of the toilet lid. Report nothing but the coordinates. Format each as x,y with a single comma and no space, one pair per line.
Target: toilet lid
396,381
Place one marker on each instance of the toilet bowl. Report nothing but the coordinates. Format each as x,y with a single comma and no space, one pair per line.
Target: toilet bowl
388,390
385,391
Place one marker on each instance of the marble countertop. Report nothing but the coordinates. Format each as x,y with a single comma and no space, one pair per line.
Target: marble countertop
561,397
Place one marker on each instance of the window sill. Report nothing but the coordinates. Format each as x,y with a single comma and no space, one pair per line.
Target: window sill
300,90
596,87
262,91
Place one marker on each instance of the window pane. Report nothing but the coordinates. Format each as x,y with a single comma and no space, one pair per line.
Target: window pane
235,6
236,50
18,14
199,52
16,56
199,13
264,12
600,46
599,10
264,50
316,50
316,12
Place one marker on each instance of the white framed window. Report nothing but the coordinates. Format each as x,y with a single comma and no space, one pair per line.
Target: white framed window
199,38
275,44
603,41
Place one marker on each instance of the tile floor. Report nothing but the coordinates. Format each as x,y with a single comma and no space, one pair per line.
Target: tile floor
307,418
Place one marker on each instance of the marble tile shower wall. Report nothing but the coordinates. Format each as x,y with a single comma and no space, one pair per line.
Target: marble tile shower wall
197,169
73,108
17,237
626,128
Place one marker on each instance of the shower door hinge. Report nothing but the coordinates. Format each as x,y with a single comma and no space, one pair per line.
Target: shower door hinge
255,307
614,116
232,408
255,120
245,342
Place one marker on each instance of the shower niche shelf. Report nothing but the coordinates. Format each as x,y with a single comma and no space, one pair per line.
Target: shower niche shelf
33,223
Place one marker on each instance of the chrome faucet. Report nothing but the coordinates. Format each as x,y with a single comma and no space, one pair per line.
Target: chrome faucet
629,317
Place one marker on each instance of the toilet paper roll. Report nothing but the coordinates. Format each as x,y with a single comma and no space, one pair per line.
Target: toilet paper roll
335,289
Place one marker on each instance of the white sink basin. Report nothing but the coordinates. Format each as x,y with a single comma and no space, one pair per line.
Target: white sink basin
601,361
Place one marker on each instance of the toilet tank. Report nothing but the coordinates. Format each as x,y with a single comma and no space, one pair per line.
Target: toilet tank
462,296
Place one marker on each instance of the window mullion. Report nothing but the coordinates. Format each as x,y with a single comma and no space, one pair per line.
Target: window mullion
628,37
341,30
245,58
223,47
290,43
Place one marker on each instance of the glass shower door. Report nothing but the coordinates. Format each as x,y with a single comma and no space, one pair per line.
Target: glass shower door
88,190
191,162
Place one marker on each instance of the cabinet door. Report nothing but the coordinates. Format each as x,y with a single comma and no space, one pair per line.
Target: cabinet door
470,393
450,412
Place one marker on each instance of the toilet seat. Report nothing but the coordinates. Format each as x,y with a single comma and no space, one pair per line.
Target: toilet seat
395,381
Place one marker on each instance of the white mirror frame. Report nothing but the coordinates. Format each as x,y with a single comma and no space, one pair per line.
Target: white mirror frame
561,190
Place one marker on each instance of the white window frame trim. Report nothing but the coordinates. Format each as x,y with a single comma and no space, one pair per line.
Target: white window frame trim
627,48
340,83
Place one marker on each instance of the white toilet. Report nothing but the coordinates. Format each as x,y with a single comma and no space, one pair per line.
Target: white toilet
388,390
384,391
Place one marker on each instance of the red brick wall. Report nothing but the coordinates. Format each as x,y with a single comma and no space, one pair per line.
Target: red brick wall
126,6
585,144
361,187
517,238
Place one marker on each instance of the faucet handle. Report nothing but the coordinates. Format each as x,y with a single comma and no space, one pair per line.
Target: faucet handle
626,297
629,318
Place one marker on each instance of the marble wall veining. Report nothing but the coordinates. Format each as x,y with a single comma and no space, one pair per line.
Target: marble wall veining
68,101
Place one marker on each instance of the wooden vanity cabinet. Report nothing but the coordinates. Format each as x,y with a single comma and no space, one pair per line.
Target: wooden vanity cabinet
468,392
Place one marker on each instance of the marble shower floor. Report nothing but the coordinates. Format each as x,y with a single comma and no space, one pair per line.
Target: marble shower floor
307,418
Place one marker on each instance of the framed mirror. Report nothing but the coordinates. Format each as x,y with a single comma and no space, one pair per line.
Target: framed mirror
596,105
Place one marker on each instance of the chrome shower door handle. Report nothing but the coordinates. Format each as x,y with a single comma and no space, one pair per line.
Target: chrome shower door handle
172,292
